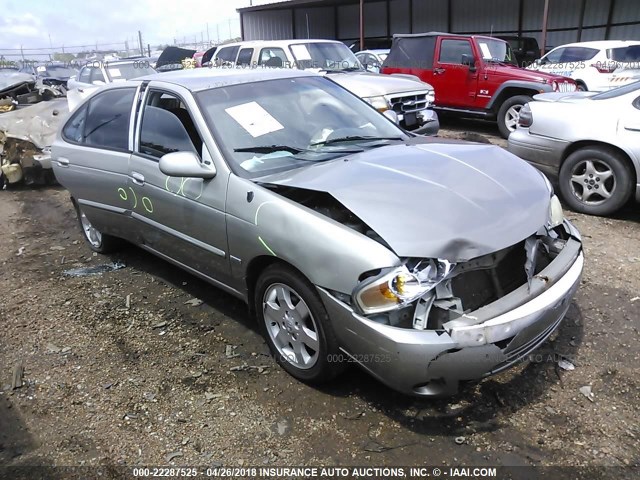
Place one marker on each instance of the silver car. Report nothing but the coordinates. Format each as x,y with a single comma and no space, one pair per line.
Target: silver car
97,73
426,263
588,142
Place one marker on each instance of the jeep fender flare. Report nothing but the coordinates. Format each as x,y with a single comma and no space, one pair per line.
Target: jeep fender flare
537,87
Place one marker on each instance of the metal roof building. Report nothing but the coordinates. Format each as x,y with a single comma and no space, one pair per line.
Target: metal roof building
567,20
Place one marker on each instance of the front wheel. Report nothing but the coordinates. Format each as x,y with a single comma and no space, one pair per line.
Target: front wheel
296,326
596,181
97,241
509,114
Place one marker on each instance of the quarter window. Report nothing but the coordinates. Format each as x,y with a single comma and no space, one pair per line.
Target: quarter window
451,51
107,123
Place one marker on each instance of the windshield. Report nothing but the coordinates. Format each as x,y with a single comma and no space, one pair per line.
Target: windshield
282,124
494,50
127,71
325,56
60,71
618,92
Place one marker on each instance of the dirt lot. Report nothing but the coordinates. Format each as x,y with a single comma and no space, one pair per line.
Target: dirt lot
122,369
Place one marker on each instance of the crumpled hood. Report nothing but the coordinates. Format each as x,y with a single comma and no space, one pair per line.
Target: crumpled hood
450,201
367,84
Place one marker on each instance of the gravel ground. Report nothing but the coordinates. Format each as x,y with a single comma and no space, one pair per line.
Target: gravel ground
147,365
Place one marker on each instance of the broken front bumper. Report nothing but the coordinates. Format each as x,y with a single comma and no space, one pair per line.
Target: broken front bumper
430,362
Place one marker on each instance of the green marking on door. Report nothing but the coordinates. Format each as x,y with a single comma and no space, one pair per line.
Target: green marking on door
147,204
266,246
123,193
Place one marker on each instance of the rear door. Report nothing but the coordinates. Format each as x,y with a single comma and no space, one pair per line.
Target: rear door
181,218
92,160
454,83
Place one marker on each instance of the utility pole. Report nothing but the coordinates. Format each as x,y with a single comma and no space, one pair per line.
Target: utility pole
362,24
545,21
126,47
208,39
230,35
218,31
21,52
140,42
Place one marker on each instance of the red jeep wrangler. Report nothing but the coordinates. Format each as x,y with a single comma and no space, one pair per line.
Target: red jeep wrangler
473,76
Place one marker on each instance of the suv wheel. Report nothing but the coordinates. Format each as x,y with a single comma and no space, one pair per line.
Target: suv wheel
296,326
595,180
509,113
98,241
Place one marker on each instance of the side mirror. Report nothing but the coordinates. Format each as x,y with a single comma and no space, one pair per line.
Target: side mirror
373,68
391,115
185,164
537,62
469,61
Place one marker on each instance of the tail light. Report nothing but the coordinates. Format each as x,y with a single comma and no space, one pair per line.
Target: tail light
525,118
604,67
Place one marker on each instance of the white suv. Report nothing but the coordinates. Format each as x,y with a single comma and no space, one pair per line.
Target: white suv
409,97
595,66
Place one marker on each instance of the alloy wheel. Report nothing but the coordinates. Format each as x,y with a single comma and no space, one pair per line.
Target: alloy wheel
592,182
291,326
512,116
90,232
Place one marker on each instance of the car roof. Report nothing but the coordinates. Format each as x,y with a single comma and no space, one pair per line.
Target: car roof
198,79
600,44
276,43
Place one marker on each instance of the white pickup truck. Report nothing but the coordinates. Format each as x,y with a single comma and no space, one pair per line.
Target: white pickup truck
409,97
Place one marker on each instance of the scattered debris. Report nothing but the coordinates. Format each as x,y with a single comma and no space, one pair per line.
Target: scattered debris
127,302
460,440
170,456
230,351
159,325
245,367
586,391
20,251
566,364
95,270
56,247
283,426
194,302
18,372
51,348
635,299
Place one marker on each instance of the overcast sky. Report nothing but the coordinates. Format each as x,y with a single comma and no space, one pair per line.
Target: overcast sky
82,22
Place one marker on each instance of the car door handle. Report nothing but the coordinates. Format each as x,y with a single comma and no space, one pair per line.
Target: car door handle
138,178
63,162
439,71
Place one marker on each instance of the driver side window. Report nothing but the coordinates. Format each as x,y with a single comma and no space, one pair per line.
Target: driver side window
167,126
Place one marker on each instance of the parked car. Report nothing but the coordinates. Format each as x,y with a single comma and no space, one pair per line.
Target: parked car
100,73
289,192
52,76
172,58
406,95
595,162
595,66
525,49
473,76
372,59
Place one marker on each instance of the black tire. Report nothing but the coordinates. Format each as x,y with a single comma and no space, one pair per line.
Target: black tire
575,170
104,244
327,364
581,87
518,102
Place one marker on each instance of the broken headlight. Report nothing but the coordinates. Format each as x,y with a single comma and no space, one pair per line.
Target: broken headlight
556,215
400,286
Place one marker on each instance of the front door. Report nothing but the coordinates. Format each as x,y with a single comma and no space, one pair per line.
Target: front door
181,218
454,83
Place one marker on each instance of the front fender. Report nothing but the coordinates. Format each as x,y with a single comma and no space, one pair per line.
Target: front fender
261,222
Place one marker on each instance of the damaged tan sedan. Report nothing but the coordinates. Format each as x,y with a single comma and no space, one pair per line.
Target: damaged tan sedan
427,263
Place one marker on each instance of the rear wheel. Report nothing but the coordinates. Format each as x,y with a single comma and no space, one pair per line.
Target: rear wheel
596,180
296,325
97,241
509,114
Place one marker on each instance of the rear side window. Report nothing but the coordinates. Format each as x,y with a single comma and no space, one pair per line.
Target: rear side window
578,54
451,51
244,58
107,122
272,57
227,55
625,54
